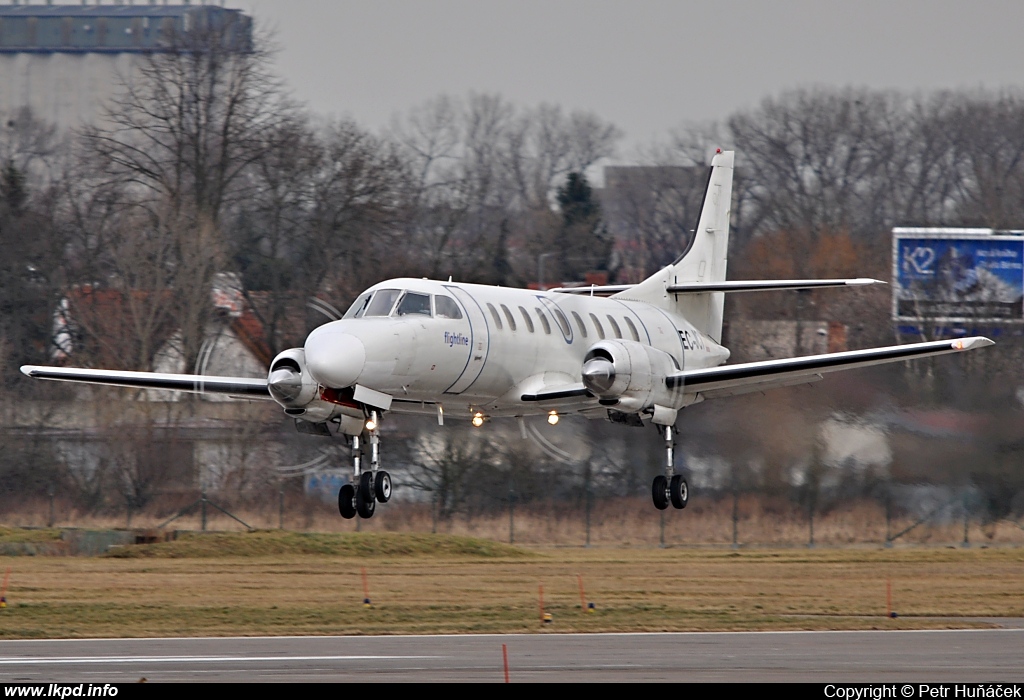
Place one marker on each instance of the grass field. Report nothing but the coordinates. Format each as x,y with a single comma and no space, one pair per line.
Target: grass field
271,583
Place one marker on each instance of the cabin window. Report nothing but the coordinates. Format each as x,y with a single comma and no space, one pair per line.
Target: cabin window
597,326
494,313
509,317
544,321
615,327
358,307
579,322
632,330
383,301
526,317
445,307
414,304
563,322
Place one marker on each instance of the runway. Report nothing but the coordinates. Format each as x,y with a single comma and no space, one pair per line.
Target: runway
868,656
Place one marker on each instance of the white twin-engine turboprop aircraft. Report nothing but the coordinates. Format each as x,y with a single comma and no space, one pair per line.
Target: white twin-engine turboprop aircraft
631,354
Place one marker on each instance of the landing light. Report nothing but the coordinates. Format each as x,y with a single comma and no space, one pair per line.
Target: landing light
371,424
478,420
553,418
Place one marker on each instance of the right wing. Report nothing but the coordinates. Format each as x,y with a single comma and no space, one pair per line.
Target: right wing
729,380
240,387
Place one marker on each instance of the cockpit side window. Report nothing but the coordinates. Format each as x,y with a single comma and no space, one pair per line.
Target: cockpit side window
445,307
383,302
358,307
414,304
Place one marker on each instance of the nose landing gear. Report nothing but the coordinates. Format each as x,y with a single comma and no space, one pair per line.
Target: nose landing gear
367,488
670,487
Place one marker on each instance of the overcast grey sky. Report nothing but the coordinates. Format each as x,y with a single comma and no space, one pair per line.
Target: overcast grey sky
645,65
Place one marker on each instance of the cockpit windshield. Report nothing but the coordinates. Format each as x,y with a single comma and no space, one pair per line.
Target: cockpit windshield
383,302
358,307
398,302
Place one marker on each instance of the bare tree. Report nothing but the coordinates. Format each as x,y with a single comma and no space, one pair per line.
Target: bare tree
191,118
484,175
989,140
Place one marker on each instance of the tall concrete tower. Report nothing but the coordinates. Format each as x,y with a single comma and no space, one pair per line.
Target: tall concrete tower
64,62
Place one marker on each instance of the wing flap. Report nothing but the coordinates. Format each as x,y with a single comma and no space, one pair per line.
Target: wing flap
237,387
769,383
724,381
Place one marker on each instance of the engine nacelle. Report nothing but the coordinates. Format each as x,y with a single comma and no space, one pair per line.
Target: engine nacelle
630,376
292,386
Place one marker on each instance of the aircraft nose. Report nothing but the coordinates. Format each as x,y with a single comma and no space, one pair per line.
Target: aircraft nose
333,357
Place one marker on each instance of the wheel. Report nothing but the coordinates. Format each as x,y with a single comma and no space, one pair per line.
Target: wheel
382,486
679,491
659,492
346,501
366,486
364,506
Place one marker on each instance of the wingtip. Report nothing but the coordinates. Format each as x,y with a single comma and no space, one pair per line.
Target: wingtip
27,370
862,281
974,343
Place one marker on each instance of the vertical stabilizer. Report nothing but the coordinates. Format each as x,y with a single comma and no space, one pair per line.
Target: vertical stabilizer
704,259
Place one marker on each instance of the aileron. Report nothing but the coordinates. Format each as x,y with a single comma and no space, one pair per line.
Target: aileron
792,370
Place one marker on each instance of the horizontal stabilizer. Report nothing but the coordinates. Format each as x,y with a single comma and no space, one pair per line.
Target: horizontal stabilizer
753,376
242,387
732,286
767,285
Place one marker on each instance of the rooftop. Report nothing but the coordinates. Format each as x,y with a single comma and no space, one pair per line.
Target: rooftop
111,28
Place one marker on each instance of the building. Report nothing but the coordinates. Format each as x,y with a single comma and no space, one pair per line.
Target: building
65,62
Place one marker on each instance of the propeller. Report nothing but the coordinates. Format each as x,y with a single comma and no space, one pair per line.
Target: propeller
321,306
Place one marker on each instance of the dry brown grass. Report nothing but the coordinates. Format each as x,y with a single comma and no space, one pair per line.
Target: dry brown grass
635,589
619,522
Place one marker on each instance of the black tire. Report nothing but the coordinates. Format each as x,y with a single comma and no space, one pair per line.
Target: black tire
365,507
382,486
346,501
659,492
366,486
679,491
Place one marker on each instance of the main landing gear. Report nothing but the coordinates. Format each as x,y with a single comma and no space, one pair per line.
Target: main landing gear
367,488
670,487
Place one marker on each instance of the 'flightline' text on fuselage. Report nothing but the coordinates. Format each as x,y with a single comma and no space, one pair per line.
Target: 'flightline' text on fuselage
453,339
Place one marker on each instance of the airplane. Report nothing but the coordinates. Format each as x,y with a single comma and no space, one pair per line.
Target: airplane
631,354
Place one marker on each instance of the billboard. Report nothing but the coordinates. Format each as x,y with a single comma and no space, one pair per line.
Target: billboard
958,275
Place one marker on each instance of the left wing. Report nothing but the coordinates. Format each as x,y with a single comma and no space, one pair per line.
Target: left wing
730,380
241,387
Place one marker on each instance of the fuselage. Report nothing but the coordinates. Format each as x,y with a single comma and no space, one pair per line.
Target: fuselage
481,348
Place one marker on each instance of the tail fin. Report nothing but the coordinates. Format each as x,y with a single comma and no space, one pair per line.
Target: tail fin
704,259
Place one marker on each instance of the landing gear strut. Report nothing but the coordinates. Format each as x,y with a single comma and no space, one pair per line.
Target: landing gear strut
367,488
670,487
